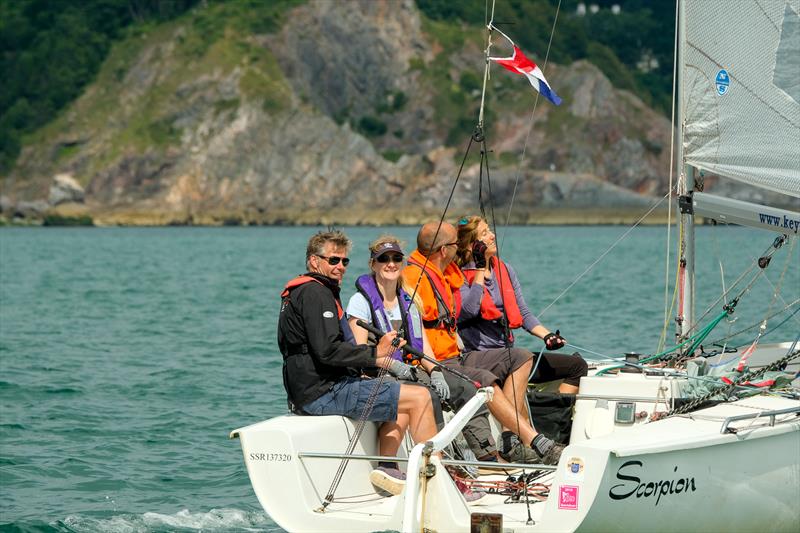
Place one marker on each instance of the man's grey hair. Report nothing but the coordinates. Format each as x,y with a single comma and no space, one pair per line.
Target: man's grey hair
316,244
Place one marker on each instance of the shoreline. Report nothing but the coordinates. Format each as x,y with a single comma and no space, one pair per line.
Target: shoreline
80,215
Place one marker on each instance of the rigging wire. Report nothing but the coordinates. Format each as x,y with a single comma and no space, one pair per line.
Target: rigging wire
530,127
667,313
757,324
354,438
596,261
361,421
780,297
768,253
484,162
663,337
371,399
777,289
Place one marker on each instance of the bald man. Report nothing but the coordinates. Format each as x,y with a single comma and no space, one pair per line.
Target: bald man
442,287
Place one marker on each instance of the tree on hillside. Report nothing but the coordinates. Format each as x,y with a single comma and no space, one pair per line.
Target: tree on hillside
51,49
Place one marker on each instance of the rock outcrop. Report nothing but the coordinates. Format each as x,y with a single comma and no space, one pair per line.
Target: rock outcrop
276,128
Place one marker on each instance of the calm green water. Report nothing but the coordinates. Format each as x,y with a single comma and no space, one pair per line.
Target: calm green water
128,355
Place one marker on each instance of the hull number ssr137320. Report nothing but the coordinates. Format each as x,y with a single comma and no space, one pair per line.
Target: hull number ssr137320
633,485
261,456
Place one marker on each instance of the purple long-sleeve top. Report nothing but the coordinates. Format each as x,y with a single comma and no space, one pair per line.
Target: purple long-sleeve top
478,333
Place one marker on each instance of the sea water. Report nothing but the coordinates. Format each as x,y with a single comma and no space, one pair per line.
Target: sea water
127,355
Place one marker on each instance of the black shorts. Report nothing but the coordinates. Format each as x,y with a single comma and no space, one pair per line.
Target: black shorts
553,366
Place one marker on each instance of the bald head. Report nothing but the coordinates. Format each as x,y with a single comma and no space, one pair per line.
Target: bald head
429,240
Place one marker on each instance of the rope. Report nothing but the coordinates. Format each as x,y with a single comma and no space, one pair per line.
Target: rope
531,123
382,373
695,340
757,324
444,214
489,28
726,390
667,313
767,254
493,220
663,338
361,424
485,162
596,261
777,288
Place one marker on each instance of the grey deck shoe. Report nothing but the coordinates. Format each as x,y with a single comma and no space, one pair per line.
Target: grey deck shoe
513,451
552,455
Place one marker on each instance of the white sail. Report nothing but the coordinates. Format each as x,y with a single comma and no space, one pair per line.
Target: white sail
741,91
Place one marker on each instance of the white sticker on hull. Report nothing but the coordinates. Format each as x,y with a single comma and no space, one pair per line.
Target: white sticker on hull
575,467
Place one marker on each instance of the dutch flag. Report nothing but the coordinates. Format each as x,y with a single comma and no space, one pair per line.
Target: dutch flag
520,64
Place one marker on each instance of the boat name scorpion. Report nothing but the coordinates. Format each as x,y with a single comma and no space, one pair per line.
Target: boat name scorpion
644,489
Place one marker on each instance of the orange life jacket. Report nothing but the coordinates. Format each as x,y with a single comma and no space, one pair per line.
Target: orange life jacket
302,280
441,303
489,310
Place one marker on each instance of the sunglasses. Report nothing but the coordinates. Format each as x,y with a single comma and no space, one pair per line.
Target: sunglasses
386,258
334,260
450,244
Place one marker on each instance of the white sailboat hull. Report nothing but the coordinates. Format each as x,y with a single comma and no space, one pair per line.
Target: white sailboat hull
683,475
677,474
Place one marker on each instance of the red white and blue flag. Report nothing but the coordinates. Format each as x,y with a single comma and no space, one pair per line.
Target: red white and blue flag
519,64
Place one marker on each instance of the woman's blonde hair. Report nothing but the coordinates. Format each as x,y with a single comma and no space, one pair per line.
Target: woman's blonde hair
467,235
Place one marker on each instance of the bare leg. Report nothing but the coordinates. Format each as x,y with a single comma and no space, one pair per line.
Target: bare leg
505,413
566,388
415,402
390,434
516,388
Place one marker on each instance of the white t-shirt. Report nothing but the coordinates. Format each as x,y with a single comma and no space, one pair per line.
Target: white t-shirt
358,307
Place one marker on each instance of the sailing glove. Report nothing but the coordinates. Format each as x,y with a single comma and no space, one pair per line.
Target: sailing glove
440,385
554,341
402,371
479,254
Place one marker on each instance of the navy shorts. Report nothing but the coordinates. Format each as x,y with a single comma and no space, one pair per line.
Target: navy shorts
348,397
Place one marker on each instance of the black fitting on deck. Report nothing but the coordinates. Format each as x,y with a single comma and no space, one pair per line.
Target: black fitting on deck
685,204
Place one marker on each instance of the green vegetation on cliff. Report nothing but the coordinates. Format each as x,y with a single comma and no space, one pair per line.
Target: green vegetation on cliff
53,50
632,45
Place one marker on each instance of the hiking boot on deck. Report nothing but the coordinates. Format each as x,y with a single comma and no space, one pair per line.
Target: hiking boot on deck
552,455
388,479
513,451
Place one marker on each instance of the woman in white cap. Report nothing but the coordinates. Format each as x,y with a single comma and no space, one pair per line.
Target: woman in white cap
383,302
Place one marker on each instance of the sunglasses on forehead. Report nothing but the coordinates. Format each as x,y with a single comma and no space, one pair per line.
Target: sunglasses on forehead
385,258
334,260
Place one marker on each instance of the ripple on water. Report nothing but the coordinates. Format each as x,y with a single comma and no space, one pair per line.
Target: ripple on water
214,520
128,355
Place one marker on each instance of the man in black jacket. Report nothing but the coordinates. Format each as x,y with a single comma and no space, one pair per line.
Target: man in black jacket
319,357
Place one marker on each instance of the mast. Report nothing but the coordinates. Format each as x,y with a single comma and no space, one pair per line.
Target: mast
685,315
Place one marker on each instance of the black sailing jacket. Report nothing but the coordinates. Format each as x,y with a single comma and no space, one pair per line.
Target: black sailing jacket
310,337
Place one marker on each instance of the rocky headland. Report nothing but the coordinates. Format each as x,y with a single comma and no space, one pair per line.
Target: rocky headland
348,113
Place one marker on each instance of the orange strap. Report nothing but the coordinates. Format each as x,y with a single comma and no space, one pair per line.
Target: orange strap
302,280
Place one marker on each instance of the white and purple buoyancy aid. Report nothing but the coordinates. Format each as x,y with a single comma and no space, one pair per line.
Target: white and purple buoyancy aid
367,286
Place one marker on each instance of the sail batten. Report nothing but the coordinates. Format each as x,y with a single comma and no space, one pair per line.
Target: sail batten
740,96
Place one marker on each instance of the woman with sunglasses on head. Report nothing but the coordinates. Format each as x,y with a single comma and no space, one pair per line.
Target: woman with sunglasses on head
482,322
382,301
